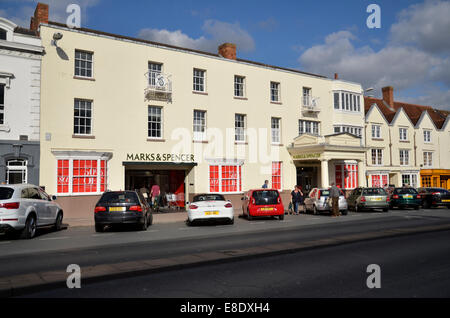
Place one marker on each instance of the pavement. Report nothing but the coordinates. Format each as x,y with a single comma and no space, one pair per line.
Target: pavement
40,264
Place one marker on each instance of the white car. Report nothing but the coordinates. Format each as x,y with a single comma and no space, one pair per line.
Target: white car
25,207
210,207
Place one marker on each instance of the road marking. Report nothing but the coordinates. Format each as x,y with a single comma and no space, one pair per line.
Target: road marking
54,238
253,223
7,242
285,221
148,231
185,228
106,234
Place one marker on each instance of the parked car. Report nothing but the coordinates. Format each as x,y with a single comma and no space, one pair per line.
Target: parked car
26,207
318,200
368,199
432,197
262,202
122,207
210,207
405,197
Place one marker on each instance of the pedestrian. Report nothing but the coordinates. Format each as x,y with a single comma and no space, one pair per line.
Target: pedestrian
334,195
144,191
155,192
302,201
266,184
296,199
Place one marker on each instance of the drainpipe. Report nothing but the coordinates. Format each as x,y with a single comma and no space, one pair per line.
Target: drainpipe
390,148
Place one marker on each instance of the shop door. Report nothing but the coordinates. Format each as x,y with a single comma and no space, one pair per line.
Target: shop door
177,186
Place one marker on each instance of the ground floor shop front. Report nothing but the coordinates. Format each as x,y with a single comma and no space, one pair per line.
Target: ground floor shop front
439,178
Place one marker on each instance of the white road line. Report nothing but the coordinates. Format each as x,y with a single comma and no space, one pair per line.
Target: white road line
7,242
253,223
185,228
54,238
104,235
148,231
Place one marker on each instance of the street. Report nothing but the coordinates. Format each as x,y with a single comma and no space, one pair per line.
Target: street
54,251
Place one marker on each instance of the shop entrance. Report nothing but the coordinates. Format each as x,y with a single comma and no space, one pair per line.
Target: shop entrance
171,183
307,178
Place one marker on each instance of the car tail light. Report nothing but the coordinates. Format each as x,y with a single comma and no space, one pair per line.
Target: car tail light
193,207
418,196
363,199
99,209
388,199
228,205
395,196
12,205
436,193
137,208
318,197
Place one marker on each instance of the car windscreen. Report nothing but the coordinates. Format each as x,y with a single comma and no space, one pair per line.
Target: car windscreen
209,197
405,191
374,191
6,193
440,190
119,197
265,197
326,193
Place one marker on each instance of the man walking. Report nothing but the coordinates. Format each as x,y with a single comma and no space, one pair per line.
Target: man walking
334,195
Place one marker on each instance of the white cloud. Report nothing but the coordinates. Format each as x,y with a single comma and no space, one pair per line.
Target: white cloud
217,32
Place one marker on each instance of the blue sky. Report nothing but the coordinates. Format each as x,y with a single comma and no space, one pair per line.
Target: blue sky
410,51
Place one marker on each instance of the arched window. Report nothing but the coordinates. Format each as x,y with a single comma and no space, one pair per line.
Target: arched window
2,34
16,171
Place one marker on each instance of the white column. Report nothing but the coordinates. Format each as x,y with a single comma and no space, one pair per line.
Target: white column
324,173
361,175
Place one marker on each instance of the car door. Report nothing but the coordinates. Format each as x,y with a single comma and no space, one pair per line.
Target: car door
35,200
49,208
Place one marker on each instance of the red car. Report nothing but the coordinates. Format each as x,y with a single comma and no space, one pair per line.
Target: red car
262,202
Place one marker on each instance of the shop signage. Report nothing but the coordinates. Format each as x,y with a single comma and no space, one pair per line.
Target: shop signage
158,157
306,156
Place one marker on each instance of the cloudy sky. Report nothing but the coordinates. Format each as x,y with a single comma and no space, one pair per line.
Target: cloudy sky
411,50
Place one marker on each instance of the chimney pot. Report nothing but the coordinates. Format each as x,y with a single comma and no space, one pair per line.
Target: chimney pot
336,76
228,51
388,95
40,16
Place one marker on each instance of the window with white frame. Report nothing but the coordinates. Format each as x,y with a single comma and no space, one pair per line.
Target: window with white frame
427,135
199,125
347,101
307,101
377,157
354,130
336,100
225,178
155,123
308,127
276,175
2,104
154,69
403,133
16,171
239,127
78,176
427,159
82,117
410,179
199,80
275,92
376,131
276,130
83,63
404,157
239,86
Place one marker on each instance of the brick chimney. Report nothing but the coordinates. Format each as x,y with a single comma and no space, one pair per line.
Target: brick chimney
336,76
228,51
388,95
40,16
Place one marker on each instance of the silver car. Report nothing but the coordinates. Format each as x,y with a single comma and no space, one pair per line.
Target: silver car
25,207
318,200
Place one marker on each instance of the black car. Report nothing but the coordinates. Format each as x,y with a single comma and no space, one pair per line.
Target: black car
405,197
432,197
122,207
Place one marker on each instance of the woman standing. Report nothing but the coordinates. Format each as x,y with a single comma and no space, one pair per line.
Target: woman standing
297,198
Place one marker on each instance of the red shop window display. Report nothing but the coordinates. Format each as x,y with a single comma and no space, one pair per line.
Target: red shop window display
84,176
276,175
63,176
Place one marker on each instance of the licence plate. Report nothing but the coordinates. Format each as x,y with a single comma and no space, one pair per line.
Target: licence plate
445,200
212,213
377,199
117,209
266,209
407,197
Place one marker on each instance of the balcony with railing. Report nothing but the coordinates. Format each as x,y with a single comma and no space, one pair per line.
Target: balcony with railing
159,86
310,104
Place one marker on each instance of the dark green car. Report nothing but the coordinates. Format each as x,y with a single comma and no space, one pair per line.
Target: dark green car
405,198
368,199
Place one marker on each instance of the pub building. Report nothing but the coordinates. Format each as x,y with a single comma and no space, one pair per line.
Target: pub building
120,113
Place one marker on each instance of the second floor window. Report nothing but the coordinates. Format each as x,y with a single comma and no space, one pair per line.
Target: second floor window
307,96
308,127
82,117
239,86
377,157
376,131
274,92
154,69
427,159
403,132
83,63
404,157
199,125
276,130
199,80
427,135
2,104
239,127
154,122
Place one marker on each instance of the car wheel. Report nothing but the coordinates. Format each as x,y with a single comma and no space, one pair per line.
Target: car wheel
143,226
281,217
150,220
314,210
249,217
385,209
344,212
99,228
356,208
231,221
426,205
58,222
30,228
416,207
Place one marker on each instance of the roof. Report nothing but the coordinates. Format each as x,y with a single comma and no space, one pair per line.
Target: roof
25,31
413,111
179,48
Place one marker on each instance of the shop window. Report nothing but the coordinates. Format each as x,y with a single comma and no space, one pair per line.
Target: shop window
16,171
214,179
379,180
276,175
426,181
409,179
346,176
76,176
225,178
